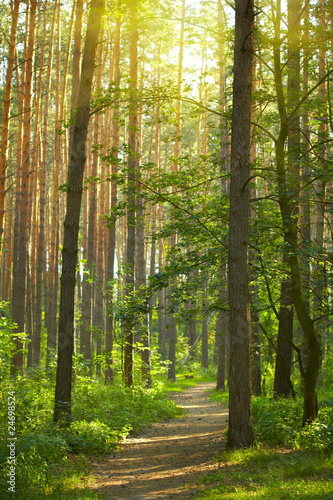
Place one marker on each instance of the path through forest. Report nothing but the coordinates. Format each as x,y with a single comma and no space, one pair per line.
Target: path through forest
166,460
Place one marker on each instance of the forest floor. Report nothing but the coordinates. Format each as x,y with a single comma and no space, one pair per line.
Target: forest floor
166,460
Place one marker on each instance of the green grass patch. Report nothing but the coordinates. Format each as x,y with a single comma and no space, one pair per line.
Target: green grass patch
270,474
185,379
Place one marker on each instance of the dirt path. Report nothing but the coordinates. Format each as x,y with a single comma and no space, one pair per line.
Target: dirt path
165,461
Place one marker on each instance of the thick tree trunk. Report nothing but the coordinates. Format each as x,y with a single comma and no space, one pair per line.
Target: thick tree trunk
240,427
54,250
76,69
305,209
63,389
282,383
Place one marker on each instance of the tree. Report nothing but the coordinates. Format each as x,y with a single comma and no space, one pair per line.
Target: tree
240,429
312,337
62,407
131,195
15,6
19,290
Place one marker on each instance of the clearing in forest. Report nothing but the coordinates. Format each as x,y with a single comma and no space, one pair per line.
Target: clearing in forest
166,460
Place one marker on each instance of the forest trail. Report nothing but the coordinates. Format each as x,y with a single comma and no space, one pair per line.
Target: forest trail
166,460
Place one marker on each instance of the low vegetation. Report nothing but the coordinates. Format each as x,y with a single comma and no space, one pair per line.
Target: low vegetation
287,463
54,461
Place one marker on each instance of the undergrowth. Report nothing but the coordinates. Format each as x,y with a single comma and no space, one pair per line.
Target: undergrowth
101,417
287,462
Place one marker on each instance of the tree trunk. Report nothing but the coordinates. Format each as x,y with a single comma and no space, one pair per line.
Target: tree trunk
42,201
220,335
284,350
172,322
63,388
310,408
240,427
6,113
204,341
76,69
112,227
19,294
131,195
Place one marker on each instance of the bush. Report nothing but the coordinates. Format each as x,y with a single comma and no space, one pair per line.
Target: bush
90,437
122,409
276,421
279,422
40,462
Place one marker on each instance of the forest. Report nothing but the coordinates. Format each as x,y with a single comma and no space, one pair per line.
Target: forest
166,220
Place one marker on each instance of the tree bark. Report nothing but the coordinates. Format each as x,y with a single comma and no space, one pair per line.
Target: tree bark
313,341
284,351
6,114
220,334
240,427
19,294
204,329
112,228
63,390
172,322
131,196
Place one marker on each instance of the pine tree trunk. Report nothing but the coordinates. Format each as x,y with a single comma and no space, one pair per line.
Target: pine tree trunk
172,322
284,350
131,195
19,293
42,202
63,388
6,113
240,427
204,329
114,201
220,335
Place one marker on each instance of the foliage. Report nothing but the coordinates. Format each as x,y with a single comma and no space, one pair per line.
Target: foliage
102,416
7,345
123,409
90,437
278,422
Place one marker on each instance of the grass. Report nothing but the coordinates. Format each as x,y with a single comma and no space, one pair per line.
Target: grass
186,379
287,463
270,474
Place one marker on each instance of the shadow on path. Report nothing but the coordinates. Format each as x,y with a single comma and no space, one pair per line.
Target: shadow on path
165,461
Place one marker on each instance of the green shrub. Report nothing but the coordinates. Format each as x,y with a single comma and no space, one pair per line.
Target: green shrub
90,437
318,435
52,448
276,421
279,422
40,462
122,409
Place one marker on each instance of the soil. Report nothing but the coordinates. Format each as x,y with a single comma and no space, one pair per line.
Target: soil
166,460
